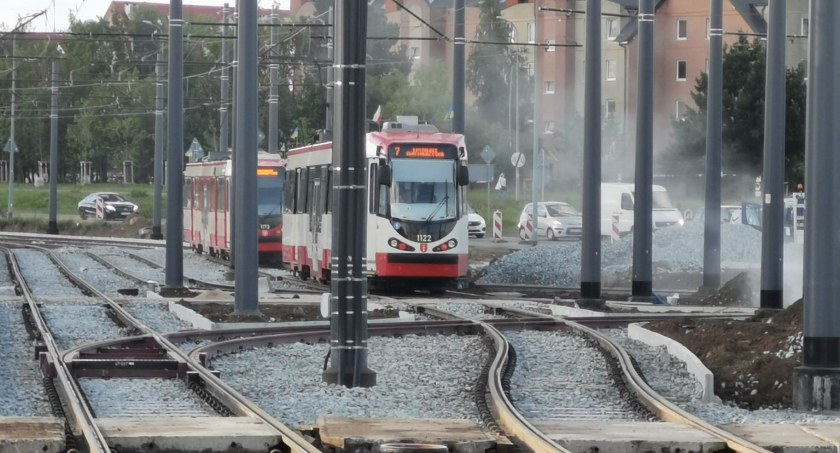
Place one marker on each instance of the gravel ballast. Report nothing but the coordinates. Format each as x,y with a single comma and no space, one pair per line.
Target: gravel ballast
416,377
42,275
21,392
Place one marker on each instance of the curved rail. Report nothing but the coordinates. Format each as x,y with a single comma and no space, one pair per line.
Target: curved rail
659,405
507,415
82,416
292,440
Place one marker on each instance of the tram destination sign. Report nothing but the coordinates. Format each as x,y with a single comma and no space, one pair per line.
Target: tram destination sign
422,151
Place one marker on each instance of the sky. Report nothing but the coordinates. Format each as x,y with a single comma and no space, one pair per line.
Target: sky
58,11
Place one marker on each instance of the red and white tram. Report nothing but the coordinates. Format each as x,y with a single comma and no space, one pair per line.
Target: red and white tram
416,210
207,205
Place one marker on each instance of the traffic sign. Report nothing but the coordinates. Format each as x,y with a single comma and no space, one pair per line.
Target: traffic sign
11,147
517,160
488,154
196,151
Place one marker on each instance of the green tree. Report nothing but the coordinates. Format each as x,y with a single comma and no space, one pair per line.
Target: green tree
488,66
743,117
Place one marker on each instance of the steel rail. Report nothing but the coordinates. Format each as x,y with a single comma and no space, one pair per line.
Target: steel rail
241,405
118,270
656,403
83,419
507,415
41,239
553,290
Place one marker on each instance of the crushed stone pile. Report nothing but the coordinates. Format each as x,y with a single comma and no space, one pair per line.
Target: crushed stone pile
675,249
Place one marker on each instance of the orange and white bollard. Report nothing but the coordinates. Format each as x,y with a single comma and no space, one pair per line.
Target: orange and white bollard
497,226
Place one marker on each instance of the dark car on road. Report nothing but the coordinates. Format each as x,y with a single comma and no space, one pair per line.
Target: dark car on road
114,205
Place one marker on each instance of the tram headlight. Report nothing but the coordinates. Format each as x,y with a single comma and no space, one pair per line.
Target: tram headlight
448,245
400,245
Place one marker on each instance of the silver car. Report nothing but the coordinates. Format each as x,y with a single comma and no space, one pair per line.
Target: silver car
557,220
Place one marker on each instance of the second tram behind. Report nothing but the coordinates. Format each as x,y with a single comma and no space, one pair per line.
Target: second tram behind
208,206
416,210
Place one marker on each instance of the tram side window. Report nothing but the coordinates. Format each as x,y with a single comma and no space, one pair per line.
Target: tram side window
371,187
188,193
382,200
303,184
312,205
220,194
326,190
198,191
289,192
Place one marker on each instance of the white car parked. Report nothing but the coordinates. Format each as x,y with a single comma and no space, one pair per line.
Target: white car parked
476,227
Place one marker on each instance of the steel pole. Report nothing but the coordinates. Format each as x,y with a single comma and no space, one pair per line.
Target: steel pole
13,150
642,287
348,287
330,95
817,382
52,228
230,274
714,141
245,166
175,169
459,43
590,261
534,238
773,178
224,107
157,232
273,94
516,128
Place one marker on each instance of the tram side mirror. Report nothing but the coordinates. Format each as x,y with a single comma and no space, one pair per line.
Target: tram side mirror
385,175
463,175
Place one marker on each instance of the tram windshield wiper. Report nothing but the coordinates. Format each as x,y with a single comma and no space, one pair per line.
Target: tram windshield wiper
437,208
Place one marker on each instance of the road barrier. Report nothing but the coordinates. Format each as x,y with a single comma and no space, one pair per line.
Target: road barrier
497,226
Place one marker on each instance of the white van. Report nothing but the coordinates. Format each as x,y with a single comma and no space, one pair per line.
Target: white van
617,202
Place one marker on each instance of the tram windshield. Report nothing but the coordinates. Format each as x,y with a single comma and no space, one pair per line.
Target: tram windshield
423,189
270,192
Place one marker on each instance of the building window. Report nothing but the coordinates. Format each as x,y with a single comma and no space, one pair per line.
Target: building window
610,69
681,70
611,26
549,86
550,45
707,66
415,53
803,29
531,33
682,29
681,111
708,28
549,127
609,108
530,67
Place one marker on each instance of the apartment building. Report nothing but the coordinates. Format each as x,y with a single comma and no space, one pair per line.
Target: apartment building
681,49
681,52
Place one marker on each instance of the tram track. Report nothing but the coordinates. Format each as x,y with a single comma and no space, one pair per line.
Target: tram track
148,355
528,435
